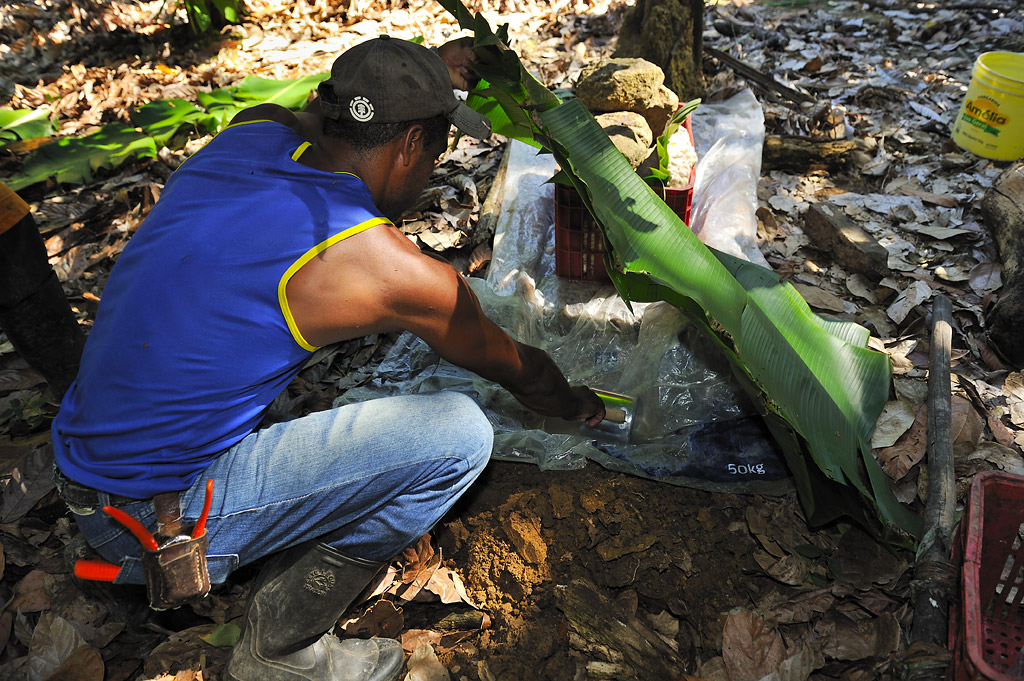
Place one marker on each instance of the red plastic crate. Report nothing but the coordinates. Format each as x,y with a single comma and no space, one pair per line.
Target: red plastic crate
986,626
579,241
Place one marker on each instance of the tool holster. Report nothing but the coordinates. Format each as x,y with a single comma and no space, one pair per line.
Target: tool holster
176,571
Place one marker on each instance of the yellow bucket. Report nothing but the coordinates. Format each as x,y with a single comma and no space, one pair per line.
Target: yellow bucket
991,118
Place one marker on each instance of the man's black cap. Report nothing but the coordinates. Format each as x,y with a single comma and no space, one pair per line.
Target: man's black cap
387,80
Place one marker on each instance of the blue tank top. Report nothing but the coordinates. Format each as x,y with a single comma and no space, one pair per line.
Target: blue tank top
193,338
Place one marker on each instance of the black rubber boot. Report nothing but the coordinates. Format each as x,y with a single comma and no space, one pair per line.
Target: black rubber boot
298,597
43,330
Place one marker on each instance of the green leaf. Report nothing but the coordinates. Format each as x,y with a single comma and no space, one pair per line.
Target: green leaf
221,105
25,124
820,387
660,173
76,159
163,118
226,634
817,375
198,15
503,111
229,9
291,94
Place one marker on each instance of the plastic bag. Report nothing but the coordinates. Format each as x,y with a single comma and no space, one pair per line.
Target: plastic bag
692,425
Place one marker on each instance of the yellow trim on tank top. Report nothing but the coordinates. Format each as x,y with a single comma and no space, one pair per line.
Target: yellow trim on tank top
282,297
306,145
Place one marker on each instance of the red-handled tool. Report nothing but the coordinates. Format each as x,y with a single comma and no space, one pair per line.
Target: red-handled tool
200,527
97,569
144,536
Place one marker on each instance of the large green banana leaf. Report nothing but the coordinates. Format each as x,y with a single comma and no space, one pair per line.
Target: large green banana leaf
159,123
821,388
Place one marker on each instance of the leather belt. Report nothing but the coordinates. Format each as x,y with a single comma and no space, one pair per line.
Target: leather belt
81,496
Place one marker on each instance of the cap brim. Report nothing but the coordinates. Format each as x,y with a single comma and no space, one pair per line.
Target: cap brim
472,123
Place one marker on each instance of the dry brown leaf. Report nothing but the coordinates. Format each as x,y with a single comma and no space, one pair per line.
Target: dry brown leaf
448,587
84,664
864,562
414,638
1000,432
381,619
423,665
30,593
896,418
804,607
937,199
479,258
792,569
819,298
986,277
968,426
909,449
852,640
183,651
749,648
417,557
1013,388
19,379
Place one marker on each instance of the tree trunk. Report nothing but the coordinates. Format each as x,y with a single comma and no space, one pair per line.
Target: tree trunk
668,33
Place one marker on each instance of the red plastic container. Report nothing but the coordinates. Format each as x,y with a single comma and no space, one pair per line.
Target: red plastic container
579,241
986,628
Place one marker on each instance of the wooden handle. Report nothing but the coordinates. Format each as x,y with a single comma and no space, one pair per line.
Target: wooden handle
615,415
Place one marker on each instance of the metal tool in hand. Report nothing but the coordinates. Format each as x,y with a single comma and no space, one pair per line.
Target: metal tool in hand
175,566
618,419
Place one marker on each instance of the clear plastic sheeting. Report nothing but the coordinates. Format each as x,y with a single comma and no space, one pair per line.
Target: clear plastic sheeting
729,137
692,425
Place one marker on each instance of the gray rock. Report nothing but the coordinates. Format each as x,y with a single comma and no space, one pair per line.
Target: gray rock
629,133
619,85
660,109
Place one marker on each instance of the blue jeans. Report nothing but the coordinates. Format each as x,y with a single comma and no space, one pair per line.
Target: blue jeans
369,479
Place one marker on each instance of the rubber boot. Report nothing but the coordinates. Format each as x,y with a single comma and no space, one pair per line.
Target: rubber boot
43,330
298,598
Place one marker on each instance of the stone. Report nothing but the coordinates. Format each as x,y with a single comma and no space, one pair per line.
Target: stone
524,533
624,544
629,133
834,232
619,85
660,109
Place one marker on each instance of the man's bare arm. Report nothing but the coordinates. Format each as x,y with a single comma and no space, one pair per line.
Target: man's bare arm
378,281
447,315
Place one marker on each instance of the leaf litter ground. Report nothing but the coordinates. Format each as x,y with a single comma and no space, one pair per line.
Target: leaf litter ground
727,586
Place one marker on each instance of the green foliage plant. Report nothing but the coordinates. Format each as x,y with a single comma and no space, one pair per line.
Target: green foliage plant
203,15
659,175
25,124
819,386
161,123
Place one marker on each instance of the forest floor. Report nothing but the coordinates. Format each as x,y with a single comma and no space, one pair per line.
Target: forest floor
531,570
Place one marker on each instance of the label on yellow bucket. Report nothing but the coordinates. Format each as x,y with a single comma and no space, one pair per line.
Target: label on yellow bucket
991,119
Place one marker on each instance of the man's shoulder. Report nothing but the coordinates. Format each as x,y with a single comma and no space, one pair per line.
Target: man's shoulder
267,112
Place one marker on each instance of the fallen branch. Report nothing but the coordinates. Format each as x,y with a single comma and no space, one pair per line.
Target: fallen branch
762,79
933,577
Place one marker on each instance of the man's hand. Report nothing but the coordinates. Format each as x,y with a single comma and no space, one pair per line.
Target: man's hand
456,55
591,407
544,389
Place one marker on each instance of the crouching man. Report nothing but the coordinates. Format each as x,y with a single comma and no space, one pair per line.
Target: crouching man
275,239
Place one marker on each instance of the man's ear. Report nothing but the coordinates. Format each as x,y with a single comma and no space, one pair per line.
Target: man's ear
410,145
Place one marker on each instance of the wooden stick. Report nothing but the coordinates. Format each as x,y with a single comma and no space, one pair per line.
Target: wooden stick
750,73
933,576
